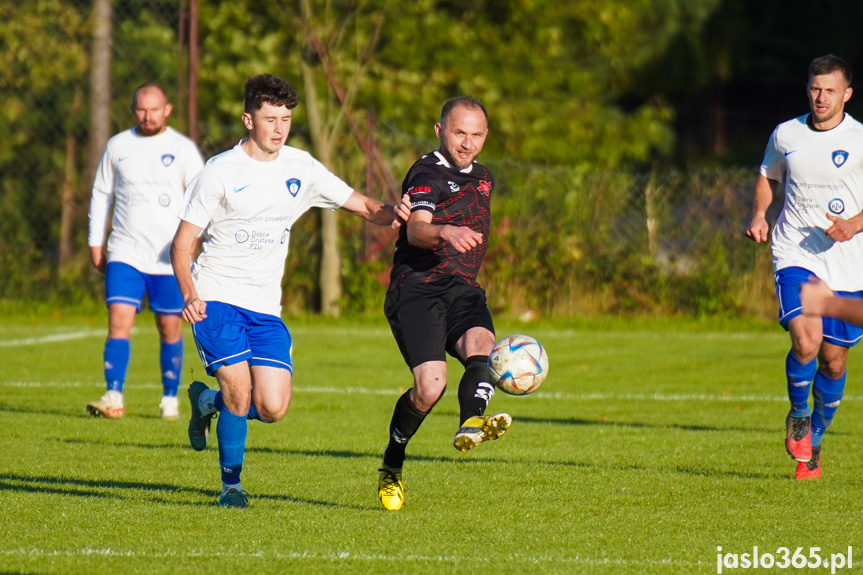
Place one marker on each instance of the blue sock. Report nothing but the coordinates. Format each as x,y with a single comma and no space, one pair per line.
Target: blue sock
799,378
828,394
116,356
171,362
254,414
231,430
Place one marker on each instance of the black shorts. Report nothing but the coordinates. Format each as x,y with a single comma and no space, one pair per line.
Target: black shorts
428,319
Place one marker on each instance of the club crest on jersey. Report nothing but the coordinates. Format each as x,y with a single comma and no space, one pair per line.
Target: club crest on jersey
836,206
293,186
839,158
167,159
453,187
485,187
164,200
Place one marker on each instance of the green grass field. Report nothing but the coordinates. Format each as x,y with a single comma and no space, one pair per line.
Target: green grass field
649,446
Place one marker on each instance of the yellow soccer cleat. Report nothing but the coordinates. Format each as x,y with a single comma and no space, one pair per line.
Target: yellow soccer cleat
481,428
391,490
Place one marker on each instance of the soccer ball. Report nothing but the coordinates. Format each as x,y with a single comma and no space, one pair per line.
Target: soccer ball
518,364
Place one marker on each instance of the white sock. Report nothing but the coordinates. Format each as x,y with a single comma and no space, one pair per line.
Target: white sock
207,401
236,486
114,397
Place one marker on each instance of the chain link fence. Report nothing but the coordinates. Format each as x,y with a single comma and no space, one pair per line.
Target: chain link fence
564,241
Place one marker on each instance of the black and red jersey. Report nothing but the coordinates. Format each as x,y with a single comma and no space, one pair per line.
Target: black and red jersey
455,197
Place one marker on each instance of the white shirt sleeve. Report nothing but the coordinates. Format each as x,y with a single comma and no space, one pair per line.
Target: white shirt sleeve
773,165
329,191
101,199
193,162
203,196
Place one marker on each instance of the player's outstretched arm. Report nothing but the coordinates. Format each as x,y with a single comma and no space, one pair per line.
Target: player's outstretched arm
759,229
422,233
377,212
818,299
185,240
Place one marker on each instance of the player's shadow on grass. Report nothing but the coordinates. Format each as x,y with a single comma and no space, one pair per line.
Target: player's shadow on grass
108,489
41,410
60,485
460,459
455,458
659,425
79,414
137,445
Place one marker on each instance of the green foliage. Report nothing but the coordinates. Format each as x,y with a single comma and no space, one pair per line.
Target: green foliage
566,143
42,59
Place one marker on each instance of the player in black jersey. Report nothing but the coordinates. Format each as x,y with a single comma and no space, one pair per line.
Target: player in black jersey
434,304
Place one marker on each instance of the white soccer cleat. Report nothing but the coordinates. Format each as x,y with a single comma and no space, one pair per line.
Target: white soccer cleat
110,406
170,407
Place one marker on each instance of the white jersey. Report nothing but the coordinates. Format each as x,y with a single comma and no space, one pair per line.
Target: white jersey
247,208
145,177
822,173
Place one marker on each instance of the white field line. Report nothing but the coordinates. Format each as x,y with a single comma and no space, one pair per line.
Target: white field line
559,333
383,332
52,338
339,556
538,395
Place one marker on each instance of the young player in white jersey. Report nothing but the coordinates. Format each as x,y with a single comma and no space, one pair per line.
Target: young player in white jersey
144,172
246,200
819,157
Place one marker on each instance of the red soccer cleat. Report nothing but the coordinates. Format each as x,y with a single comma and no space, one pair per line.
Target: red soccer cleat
798,439
810,469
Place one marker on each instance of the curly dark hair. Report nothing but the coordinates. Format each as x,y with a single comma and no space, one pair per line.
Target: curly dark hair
269,89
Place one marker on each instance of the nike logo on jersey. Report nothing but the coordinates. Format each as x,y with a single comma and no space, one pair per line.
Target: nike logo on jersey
123,159
238,190
789,153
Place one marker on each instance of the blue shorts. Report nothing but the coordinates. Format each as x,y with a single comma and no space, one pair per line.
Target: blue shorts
232,334
835,331
125,284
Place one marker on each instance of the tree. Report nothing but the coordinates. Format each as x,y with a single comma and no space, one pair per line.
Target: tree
40,103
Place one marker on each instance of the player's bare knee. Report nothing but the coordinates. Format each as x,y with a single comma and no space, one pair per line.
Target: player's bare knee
832,369
425,398
273,412
806,349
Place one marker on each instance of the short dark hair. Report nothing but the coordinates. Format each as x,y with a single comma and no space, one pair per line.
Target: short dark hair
144,86
828,64
467,101
268,89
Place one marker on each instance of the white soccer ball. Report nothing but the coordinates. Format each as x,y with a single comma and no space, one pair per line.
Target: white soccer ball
518,364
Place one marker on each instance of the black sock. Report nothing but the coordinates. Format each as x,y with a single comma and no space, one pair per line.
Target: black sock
474,389
405,422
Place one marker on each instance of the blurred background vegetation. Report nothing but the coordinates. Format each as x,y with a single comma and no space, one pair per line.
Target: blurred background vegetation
625,134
